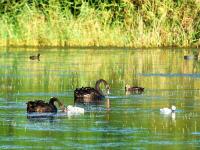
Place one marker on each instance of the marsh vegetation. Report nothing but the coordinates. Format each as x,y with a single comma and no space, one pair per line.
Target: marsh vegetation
119,23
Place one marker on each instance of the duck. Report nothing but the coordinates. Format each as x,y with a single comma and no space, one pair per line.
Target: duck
74,110
194,55
35,57
90,94
168,110
188,57
133,89
41,106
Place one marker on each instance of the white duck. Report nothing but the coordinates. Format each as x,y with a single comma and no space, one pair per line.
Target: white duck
74,110
168,110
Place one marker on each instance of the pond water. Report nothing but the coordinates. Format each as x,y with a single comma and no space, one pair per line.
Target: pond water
131,122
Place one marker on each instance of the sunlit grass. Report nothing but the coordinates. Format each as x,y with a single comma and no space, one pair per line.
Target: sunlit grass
155,24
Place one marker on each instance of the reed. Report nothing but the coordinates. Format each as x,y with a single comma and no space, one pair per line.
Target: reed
124,23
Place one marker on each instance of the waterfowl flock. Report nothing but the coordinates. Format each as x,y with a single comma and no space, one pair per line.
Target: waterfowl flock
83,95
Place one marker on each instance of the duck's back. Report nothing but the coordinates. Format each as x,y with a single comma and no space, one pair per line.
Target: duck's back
35,57
86,94
39,106
165,110
80,92
75,110
134,89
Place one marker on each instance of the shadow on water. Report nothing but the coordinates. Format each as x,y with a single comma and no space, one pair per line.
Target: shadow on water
41,117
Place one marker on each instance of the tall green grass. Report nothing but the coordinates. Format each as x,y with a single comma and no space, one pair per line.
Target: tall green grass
124,23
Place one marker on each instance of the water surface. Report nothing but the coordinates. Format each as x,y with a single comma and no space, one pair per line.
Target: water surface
132,122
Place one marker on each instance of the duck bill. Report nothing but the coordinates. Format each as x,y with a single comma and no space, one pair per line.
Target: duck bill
61,105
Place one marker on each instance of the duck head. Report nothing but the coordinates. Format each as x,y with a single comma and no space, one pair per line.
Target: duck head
173,108
107,89
53,100
127,87
98,82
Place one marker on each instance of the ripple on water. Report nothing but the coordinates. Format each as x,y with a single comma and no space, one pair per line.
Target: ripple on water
196,133
31,139
28,147
106,145
193,75
42,94
125,131
12,107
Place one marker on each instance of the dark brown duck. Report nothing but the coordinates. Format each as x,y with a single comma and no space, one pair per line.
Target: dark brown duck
43,107
90,94
35,57
133,89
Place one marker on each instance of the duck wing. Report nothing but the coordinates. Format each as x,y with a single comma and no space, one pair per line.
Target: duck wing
38,106
85,90
136,88
165,110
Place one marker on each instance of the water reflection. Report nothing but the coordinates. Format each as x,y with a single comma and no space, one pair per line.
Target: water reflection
170,116
41,117
120,120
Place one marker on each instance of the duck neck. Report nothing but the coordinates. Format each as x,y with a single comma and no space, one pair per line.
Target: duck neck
52,101
97,86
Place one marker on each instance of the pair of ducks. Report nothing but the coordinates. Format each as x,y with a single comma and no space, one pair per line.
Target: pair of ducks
81,95
40,106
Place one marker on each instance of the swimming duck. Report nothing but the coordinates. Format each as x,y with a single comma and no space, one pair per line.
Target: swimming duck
74,110
43,107
89,94
188,57
35,57
133,89
194,56
168,110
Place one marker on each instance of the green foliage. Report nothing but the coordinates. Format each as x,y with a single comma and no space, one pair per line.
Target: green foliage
129,23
